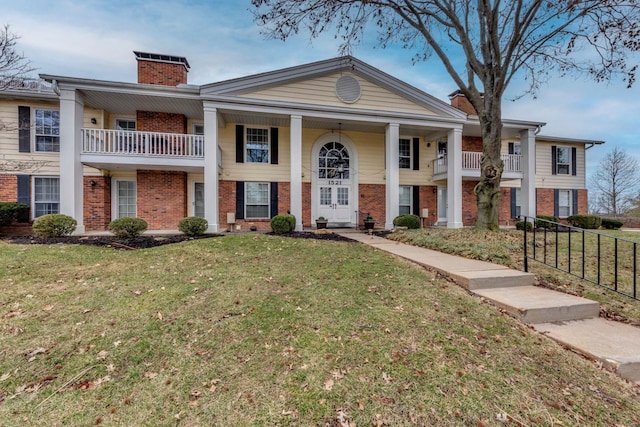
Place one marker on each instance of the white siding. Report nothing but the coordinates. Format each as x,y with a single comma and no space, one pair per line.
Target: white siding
321,91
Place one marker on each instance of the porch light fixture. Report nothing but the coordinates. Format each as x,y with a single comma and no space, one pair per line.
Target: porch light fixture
94,121
93,183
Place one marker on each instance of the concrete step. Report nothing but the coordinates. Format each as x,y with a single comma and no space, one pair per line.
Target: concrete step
488,279
532,304
616,345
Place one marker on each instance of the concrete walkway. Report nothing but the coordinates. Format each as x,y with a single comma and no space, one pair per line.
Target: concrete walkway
570,320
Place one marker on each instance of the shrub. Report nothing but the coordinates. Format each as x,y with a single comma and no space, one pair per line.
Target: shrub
193,225
611,224
281,224
520,225
410,221
542,221
589,222
11,212
127,227
54,225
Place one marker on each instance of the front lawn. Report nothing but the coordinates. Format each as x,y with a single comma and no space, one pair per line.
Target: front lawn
262,330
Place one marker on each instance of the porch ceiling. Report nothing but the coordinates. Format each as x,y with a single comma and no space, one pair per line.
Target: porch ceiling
127,103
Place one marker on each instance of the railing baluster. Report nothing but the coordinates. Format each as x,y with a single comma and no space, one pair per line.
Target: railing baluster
583,254
615,261
599,258
569,255
635,269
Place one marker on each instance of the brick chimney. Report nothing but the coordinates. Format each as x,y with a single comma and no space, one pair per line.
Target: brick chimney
165,70
460,101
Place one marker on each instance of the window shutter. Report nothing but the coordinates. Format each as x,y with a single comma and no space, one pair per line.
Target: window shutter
574,156
240,145
274,199
554,161
574,205
416,200
24,129
24,189
274,146
416,154
511,149
513,201
239,199
556,202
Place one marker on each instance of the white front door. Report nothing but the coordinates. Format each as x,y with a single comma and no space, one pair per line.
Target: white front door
442,205
335,203
334,183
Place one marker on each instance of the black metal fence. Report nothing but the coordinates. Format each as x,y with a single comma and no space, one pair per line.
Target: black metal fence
604,260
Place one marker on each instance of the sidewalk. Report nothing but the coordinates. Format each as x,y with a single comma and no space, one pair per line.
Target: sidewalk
570,320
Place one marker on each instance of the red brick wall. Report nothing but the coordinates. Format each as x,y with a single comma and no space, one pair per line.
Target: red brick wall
306,205
162,198
161,73
149,121
372,201
472,143
97,202
429,200
504,216
583,201
8,188
462,103
544,201
469,203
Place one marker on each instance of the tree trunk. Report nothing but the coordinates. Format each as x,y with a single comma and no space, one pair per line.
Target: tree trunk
487,191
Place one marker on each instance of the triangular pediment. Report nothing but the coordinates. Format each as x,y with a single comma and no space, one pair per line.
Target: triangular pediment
340,82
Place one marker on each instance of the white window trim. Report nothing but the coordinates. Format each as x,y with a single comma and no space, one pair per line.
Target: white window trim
410,139
127,119
33,193
193,129
570,166
114,196
410,198
246,194
34,135
570,205
193,195
246,132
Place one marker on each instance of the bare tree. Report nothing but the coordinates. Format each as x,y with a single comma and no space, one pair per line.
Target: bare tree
484,45
616,181
14,67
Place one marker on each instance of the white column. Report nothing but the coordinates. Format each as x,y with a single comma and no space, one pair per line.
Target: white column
528,164
454,179
71,185
211,169
392,155
296,170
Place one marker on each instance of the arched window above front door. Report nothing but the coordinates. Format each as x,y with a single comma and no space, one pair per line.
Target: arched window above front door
333,161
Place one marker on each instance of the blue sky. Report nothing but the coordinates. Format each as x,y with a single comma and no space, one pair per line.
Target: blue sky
95,39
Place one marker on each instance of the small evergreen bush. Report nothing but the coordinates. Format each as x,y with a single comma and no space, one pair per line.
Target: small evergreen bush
588,222
193,225
13,212
542,221
409,220
54,225
281,224
611,224
127,227
520,225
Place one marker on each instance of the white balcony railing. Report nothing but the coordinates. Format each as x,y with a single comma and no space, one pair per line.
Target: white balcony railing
26,84
471,161
147,144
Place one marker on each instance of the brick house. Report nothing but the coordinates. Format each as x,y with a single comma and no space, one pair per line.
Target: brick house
335,138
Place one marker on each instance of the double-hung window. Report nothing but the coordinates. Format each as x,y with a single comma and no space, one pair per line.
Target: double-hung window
405,153
565,203
46,196
47,130
257,200
125,124
563,160
257,143
126,194
406,198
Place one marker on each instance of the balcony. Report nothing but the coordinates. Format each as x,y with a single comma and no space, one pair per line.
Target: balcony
471,161
118,149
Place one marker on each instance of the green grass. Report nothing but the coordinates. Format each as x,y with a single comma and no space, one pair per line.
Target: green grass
261,330
505,247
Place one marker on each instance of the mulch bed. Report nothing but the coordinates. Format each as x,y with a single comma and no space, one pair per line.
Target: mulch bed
146,241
